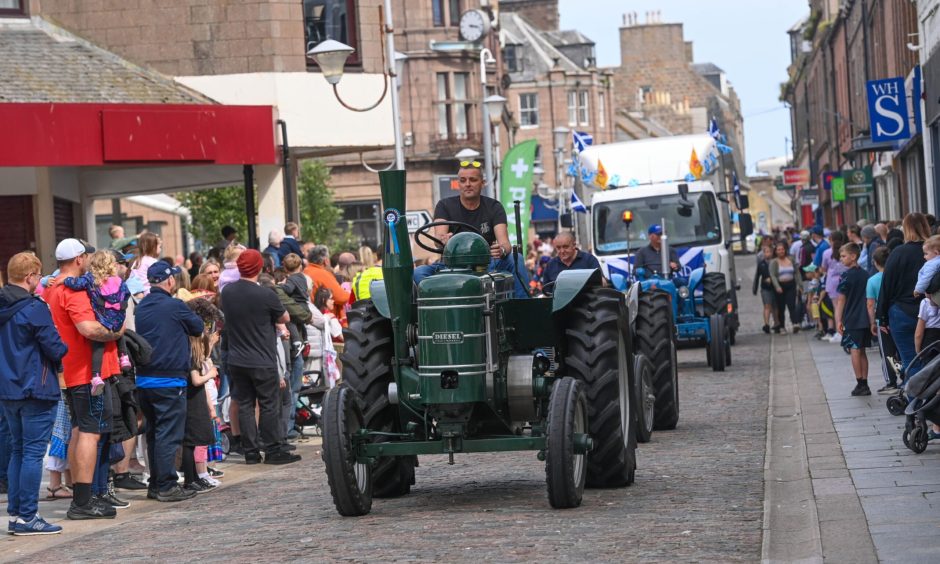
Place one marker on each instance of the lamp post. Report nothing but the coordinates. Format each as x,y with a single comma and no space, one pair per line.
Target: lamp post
331,56
486,56
559,137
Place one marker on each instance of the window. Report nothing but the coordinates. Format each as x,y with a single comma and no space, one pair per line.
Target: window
584,117
360,221
445,11
578,107
529,110
329,19
12,7
453,110
511,58
601,110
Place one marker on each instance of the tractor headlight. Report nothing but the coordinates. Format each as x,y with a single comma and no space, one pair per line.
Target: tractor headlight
683,292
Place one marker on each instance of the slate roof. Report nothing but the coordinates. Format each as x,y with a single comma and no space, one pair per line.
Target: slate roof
707,68
42,63
564,37
538,54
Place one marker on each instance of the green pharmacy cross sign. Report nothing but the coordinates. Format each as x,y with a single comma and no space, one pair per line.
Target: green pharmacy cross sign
858,182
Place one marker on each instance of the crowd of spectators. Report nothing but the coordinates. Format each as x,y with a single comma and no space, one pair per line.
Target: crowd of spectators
121,369
856,286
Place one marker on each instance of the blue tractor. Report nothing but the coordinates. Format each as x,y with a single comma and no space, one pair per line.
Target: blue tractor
698,303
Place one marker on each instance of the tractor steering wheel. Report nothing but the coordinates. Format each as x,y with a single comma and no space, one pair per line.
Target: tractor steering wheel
424,231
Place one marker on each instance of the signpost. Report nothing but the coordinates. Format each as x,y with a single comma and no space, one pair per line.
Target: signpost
416,219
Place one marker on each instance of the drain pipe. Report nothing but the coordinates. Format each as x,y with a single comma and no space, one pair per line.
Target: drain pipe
290,193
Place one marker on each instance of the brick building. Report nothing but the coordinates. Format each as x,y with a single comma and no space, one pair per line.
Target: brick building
835,51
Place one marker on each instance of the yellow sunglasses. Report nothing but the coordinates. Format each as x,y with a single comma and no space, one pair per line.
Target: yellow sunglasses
474,164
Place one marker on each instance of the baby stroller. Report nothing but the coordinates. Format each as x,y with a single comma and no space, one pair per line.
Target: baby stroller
924,389
891,366
309,402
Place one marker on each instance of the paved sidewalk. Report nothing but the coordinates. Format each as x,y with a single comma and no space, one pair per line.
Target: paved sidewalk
899,490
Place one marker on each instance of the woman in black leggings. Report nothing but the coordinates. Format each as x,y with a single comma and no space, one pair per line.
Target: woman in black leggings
785,276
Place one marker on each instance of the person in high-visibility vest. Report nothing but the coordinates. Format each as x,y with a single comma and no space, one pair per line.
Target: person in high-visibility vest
360,285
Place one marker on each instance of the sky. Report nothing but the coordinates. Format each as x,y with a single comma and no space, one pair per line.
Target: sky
746,38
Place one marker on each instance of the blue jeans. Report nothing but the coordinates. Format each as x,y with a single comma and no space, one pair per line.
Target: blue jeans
902,330
165,410
30,423
6,445
496,265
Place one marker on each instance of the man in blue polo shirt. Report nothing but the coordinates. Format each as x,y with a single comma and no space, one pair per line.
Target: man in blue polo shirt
568,258
166,323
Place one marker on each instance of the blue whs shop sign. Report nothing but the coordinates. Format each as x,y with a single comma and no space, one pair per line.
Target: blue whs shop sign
887,110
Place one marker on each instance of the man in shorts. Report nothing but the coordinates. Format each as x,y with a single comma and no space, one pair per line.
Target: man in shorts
91,415
851,315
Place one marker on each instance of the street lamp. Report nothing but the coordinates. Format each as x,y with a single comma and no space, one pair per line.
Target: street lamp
560,138
467,155
494,107
538,173
331,56
486,56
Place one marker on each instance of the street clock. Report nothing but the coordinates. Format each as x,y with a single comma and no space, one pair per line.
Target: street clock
474,25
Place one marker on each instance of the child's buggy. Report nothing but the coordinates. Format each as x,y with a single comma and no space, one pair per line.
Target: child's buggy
891,370
924,389
309,402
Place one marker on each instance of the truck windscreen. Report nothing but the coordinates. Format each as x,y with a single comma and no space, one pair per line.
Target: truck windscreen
699,228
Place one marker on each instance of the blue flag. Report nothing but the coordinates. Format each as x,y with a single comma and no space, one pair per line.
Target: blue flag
582,140
736,188
713,129
576,204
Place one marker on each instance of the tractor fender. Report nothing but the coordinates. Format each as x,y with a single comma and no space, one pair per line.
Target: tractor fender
570,284
695,278
380,298
633,303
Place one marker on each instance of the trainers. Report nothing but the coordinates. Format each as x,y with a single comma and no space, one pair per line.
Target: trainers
126,481
252,458
151,494
215,473
861,390
212,481
97,385
796,329
282,457
175,493
35,526
93,510
835,338
113,501
12,524
201,486
888,389
765,329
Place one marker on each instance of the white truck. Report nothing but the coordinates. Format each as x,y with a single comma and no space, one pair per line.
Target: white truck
645,176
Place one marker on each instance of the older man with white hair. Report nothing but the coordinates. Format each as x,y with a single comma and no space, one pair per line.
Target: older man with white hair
275,238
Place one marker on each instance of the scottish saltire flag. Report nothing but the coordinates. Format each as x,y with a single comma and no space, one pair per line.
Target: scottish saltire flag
620,271
713,129
690,258
576,204
582,140
736,187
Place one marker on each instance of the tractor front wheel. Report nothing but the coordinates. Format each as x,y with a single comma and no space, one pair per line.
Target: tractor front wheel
717,353
367,368
655,338
565,471
644,398
350,481
597,356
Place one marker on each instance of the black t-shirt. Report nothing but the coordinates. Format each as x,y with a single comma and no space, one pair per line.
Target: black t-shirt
488,215
250,313
855,311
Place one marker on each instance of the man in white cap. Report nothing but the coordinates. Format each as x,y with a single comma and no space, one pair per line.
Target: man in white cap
91,415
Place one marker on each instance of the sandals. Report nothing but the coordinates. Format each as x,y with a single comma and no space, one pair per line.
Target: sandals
54,493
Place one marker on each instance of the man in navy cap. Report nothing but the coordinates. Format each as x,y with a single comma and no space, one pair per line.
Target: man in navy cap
166,323
649,257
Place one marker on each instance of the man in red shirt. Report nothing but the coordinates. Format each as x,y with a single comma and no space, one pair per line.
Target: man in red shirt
91,415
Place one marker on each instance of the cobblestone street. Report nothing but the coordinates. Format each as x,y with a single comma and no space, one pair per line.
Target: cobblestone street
698,496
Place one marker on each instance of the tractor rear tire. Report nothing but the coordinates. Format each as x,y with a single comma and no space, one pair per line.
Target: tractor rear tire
655,338
717,355
565,471
714,294
367,369
597,356
644,397
350,482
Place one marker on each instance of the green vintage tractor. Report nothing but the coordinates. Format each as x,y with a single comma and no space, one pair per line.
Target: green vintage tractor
455,365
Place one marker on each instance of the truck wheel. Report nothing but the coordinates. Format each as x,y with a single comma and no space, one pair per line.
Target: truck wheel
565,471
367,369
716,346
644,396
714,294
656,340
350,481
597,356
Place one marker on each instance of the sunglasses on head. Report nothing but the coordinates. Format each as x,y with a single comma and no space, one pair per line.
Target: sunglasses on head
474,164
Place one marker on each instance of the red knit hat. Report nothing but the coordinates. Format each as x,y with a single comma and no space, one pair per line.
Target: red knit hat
249,263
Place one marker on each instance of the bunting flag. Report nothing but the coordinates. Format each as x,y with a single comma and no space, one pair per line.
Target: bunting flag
695,166
724,148
713,129
581,140
576,203
737,190
601,179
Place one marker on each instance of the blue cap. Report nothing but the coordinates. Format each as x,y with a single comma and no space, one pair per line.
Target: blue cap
160,271
655,228
818,230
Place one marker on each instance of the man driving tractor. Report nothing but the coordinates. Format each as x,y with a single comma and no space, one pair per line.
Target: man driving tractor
649,257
